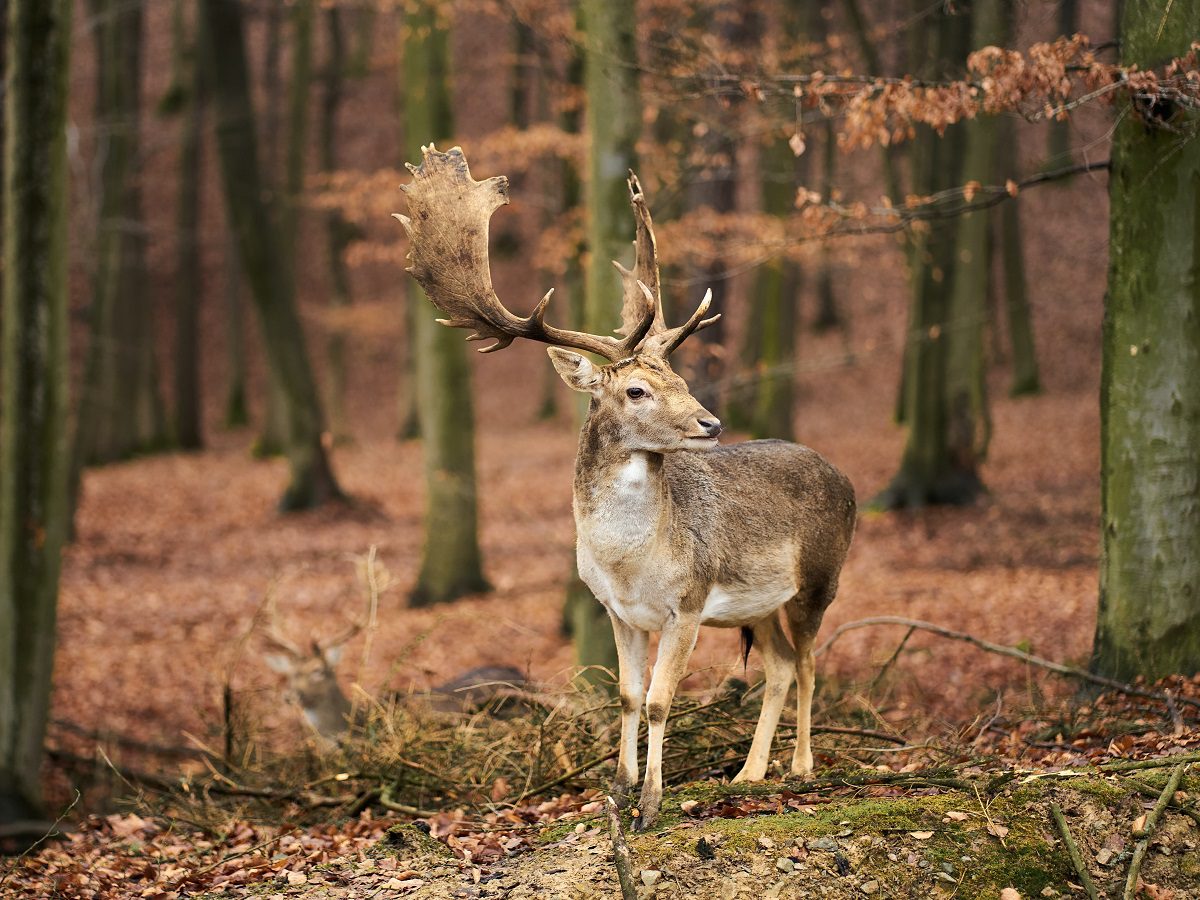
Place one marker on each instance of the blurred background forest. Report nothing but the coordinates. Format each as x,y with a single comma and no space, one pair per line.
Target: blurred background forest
259,394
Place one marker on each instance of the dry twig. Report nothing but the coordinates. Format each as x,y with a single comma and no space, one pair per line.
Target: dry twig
1073,851
621,856
1147,831
1002,650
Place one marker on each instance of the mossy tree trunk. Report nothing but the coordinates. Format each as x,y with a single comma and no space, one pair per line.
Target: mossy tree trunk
613,122
121,410
188,284
338,232
968,418
274,436
451,564
1018,314
34,454
1149,619
312,481
928,471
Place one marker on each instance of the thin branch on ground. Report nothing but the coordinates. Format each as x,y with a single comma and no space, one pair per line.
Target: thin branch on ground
1002,650
1085,878
621,856
1147,830
48,833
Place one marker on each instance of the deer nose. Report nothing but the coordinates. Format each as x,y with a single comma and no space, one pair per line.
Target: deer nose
711,426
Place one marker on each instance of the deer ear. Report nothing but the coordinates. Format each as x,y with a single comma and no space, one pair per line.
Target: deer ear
333,655
577,371
278,663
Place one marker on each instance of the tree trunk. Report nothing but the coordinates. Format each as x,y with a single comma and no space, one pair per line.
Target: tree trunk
450,565
120,412
338,232
1149,618
1058,141
969,422
312,481
274,437
614,121
928,472
237,412
1018,315
34,453
827,316
188,284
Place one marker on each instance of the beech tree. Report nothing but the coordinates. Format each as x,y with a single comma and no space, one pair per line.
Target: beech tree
451,564
1149,618
311,478
33,430
121,409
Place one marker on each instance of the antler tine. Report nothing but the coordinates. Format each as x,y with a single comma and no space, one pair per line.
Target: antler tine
340,638
642,280
273,632
664,343
448,228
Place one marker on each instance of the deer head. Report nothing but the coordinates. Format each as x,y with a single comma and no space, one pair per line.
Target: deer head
637,390
311,675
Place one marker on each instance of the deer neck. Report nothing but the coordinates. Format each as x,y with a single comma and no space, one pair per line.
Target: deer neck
618,489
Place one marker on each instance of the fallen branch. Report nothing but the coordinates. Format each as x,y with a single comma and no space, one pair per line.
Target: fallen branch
621,856
386,801
1073,851
1003,650
1147,830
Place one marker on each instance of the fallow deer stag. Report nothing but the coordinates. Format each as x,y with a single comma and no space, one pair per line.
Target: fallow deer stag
673,532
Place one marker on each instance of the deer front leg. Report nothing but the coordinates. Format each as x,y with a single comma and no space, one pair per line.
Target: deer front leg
675,646
631,660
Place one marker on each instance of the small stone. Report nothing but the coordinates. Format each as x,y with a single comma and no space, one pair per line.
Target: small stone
783,864
765,843
650,877
892,857
922,864
1105,857
845,832
945,877
869,887
948,868
1048,891
827,844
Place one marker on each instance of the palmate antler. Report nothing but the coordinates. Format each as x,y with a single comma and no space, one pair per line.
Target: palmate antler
448,228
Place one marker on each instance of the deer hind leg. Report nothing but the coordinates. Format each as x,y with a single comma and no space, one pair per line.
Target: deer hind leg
804,612
777,663
675,646
631,659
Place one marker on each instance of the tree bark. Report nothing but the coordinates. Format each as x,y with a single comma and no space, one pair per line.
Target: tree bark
928,472
338,232
969,421
613,120
121,411
312,481
1058,140
237,411
34,454
1018,315
188,280
1149,617
451,564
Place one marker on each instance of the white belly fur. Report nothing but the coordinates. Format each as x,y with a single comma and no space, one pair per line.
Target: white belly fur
731,607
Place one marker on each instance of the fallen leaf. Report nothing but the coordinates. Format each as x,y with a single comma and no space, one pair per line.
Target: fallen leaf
997,830
921,835
1009,894
956,816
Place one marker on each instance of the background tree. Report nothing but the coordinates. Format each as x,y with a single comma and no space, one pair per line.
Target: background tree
185,99
613,119
311,478
34,453
451,564
933,467
121,410
1149,620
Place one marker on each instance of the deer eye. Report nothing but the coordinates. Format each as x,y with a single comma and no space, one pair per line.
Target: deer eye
635,393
